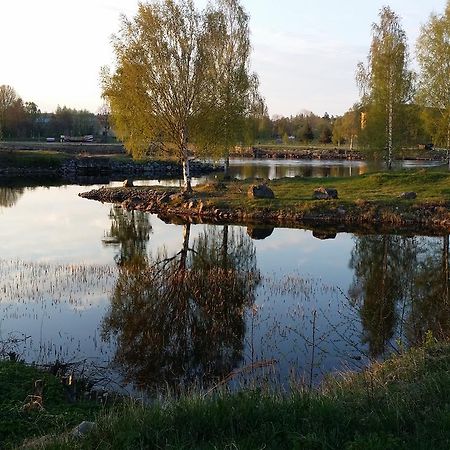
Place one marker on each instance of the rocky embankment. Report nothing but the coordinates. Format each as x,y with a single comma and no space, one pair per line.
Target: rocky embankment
172,206
293,153
73,168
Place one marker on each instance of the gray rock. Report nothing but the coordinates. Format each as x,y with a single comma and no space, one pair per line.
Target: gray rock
128,183
322,193
408,195
83,429
260,191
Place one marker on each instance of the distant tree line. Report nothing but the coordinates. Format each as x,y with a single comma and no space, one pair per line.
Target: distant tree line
24,120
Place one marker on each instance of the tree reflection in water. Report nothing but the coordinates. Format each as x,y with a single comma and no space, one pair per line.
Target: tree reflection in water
129,232
401,285
179,320
9,196
430,311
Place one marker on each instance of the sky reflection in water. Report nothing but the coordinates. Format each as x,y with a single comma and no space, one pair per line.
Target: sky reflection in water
87,280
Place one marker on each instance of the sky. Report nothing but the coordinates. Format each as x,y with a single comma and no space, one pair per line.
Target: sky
304,52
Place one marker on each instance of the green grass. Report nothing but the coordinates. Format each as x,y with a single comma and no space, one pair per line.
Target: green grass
403,403
296,193
30,159
16,383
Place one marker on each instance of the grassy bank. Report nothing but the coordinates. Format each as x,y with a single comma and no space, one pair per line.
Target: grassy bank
370,200
403,403
19,419
431,185
32,159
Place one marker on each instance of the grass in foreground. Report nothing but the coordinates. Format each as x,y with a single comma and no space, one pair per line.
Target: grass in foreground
403,403
18,422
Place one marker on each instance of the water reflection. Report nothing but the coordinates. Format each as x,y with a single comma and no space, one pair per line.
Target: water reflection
178,320
9,196
274,168
129,232
430,311
401,289
214,300
258,232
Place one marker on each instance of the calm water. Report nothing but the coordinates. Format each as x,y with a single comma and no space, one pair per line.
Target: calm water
270,169
155,304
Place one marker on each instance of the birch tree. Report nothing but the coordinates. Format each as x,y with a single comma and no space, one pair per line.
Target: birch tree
433,56
385,83
180,73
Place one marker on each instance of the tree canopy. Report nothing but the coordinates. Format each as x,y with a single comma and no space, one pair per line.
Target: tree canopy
182,84
433,56
386,83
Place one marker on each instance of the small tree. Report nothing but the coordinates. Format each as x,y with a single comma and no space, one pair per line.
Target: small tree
182,83
433,55
386,83
8,97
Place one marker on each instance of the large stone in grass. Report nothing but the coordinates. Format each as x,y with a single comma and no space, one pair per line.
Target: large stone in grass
408,195
83,429
260,191
128,183
322,193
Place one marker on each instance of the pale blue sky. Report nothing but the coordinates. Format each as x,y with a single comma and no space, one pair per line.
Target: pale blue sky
305,52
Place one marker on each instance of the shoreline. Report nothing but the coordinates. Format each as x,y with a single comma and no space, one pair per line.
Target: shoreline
401,400
172,206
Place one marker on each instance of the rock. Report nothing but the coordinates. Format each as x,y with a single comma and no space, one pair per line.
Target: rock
322,193
82,429
128,183
408,195
260,191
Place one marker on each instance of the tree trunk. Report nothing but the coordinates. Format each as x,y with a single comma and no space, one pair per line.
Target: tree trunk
185,160
184,250
225,247
226,168
448,145
445,255
390,121
186,175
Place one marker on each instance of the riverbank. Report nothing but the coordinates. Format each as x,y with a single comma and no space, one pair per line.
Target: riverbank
327,152
73,148
401,403
371,201
70,167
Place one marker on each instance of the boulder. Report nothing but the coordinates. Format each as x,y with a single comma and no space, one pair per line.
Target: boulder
83,429
128,183
260,191
322,193
408,195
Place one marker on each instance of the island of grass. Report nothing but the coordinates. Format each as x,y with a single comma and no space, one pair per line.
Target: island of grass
371,201
401,403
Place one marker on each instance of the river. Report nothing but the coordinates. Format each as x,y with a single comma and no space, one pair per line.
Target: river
156,305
